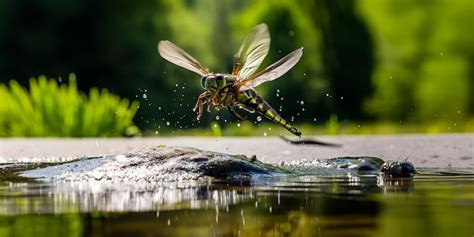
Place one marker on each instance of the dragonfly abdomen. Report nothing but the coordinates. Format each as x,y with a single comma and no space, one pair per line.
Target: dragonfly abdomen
257,103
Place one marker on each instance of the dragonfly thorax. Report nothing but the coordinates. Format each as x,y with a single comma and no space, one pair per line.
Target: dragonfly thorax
216,81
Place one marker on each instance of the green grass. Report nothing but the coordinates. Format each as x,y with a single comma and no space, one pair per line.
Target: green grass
49,109
331,127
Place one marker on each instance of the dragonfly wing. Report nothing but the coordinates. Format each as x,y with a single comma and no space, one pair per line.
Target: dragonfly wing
252,52
271,72
176,55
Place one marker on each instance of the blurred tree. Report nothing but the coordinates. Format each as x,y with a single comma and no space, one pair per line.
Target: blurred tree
202,29
346,50
337,61
425,54
301,91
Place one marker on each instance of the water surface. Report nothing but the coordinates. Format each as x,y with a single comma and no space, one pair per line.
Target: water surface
439,204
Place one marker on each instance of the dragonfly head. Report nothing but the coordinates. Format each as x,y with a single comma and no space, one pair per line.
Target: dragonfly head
212,82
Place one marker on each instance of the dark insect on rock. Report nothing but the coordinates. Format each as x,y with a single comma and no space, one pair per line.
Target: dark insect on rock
398,169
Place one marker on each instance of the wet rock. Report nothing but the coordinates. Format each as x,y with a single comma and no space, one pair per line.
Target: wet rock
336,166
159,164
162,164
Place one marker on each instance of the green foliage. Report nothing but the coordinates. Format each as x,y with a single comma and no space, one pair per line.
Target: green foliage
290,28
332,125
442,91
49,109
336,127
108,44
390,60
216,129
424,62
346,51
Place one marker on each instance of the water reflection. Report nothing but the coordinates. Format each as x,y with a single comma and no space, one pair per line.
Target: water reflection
284,206
62,197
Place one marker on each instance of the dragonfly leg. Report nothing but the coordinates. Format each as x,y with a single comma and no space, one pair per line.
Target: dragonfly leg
209,104
235,113
250,110
199,107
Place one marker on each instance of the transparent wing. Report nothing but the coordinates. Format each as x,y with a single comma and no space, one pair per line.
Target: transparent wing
272,72
252,52
176,55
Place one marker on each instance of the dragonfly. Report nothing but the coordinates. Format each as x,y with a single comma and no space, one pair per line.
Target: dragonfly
235,91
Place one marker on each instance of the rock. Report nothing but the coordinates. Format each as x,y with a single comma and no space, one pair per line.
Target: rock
165,164
158,164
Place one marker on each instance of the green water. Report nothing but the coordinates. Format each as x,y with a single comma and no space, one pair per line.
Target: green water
440,205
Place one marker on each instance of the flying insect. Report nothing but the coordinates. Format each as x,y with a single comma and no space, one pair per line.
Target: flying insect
235,91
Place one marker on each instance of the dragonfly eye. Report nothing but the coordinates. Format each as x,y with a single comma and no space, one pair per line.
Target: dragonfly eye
203,82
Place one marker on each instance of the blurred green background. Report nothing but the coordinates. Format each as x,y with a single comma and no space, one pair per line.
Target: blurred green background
386,66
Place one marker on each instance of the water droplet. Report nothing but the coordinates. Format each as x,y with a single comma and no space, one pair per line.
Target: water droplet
217,117
390,77
156,132
315,119
238,124
459,111
327,94
278,95
291,33
302,102
342,97
167,123
264,134
159,108
144,96
215,125
441,54
281,98
304,74
176,85
259,118
278,90
269,128
302,109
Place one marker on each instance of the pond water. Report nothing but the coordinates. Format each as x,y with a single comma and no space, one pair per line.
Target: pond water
439,204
